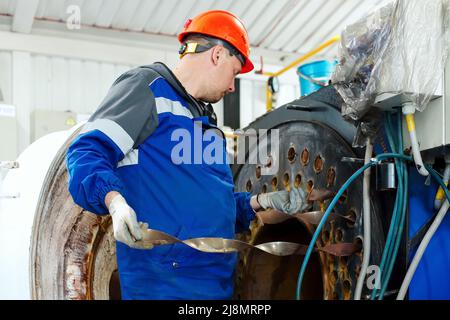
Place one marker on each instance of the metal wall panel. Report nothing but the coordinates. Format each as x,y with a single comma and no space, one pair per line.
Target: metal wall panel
61,84
5,77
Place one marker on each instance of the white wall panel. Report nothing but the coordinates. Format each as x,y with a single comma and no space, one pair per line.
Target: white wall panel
107,77
75,95
91,91
22,96
6,76
42,80
60,84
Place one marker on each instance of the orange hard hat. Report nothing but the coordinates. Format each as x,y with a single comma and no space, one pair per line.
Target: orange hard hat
221,25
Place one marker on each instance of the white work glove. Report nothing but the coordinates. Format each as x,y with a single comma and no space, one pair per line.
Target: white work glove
291,202
125,224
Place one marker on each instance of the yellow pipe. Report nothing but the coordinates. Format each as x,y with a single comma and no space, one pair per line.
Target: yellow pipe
305,57
269,105
440,194
410,122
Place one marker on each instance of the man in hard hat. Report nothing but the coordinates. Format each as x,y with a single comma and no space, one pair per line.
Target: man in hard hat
122,164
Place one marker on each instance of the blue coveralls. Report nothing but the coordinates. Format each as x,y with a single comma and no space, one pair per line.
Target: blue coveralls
127,146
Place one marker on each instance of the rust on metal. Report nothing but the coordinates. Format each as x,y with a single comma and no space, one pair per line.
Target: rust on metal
318,164
331,177
347,289
298,180
264,188
351,218
339,235
304,158
292,154
258,172
343,198
269,162
274,184
287,181
249,186
310,186
325,237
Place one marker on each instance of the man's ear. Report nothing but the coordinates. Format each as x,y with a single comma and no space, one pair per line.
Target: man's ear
216,54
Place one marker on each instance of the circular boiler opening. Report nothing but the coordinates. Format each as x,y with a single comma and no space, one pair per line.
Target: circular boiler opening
268,277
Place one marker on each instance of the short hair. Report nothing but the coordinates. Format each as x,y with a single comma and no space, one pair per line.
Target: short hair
198,38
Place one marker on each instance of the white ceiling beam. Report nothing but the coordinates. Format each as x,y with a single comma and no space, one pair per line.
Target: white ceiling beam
223,5
291,29
174,23
90,11
159,17
173,4
143,13
199,6
124,15
188,15
249,17
283,25
303,41
271,17
332,27
107,13
239,7
55,9
24,15
311,22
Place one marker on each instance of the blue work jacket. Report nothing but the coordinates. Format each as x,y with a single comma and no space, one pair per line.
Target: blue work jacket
129,145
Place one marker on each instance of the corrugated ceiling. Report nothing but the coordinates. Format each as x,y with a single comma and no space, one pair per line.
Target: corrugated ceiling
282,25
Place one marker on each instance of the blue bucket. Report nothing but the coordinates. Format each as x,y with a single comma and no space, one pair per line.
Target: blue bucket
319,71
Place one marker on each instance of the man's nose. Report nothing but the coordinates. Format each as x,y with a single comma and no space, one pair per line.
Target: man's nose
231,88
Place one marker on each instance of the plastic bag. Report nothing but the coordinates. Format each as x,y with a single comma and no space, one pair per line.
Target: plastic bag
400,48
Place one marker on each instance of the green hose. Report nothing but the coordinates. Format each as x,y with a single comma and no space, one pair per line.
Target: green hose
387,252
401,226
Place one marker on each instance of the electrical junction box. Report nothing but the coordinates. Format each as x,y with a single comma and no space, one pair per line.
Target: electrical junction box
44,122
433,124
8,132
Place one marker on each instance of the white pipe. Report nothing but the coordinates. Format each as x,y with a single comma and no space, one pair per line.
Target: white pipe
416,154
367,226
408,111
441,194
421,250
